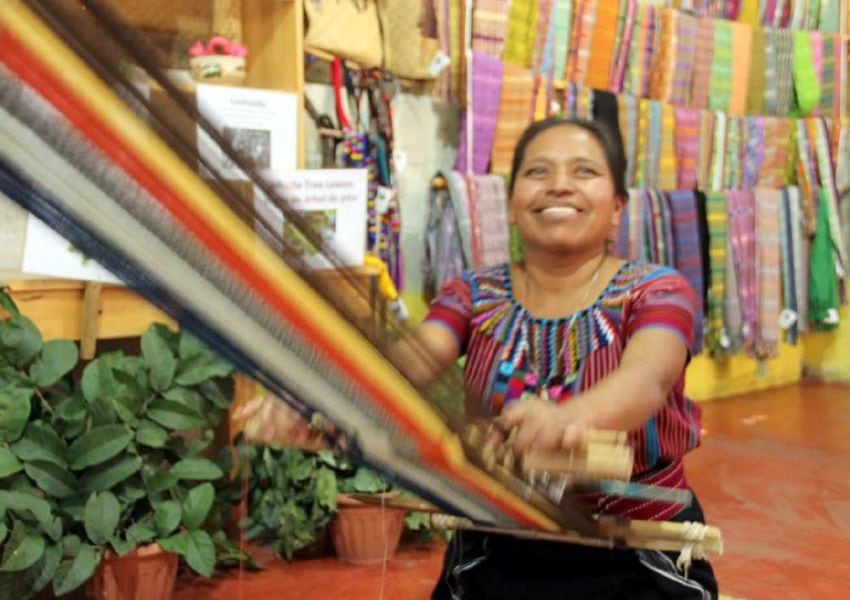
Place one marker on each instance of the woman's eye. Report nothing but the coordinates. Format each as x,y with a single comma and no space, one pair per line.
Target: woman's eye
532,171
586,171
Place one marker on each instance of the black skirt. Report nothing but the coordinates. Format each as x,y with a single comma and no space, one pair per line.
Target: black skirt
489,566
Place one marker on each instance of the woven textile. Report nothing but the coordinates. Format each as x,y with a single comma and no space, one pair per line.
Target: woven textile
687,147
717,340
742,51
490,26
563,17
664,57
602,45
733,318
625,33
703,54
754,152
522,31
758,65
768,263
720,90
667,164
515,105
486,90
688,250
742,232
686,39
489,202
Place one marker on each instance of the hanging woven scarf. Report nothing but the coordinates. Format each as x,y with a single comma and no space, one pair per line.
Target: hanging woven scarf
828,75
515,105
625,33
522,30
734,160
785,73
706,150
717,340
640,51
786,248
667,167
687,147
733,317
602,45
563,17
823,283
720,82
769,270
758,66
799,243
778,134
742,51
818,130
742,233
490,26
805,77
627,111
686,40
486,90
718,157
664,58
754,152
688,250
489,205
703,59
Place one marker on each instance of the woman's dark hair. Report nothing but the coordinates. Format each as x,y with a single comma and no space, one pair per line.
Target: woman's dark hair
601,130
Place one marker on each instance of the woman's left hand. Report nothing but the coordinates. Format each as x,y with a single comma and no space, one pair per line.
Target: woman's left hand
543,426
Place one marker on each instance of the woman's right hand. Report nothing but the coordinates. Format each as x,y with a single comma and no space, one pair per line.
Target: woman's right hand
269,420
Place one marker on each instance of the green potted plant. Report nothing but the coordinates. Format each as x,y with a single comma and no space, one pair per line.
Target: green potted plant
296,497
104,474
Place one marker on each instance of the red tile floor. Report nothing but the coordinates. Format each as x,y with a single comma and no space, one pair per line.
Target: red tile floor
773,473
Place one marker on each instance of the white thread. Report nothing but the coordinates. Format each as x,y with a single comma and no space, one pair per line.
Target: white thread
693,548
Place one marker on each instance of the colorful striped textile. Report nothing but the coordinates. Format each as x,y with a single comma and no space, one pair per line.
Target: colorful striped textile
742,233
563,18
522,32
717,340
742,52
87,165
769,269
733,317
625,33
664,57
687,147
703,68
489,203
721,80
490,26
602,44
686,40
515,106
636,81
486,90
823,282
757,79
688,251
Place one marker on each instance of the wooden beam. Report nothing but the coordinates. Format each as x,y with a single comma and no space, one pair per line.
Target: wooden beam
91,319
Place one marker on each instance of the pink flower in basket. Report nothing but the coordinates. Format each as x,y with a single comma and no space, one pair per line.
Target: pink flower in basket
218,45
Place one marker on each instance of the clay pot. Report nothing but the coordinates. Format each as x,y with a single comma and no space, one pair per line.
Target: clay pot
218,68
365,534
148,573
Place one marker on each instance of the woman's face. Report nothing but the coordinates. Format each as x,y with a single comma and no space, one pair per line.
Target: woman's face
563,197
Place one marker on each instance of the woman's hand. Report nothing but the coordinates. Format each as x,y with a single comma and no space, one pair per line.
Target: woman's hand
543,426
269,420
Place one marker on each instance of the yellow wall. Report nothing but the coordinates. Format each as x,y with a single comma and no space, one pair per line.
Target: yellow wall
827,355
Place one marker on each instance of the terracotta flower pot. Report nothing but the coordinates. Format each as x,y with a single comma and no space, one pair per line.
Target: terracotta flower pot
365,534
218,68
148,573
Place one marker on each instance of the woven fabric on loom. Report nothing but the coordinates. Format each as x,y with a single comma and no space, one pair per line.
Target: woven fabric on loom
716,338
687,147
519,44
563,17
742,231
769,271
515,105
486,91
703,58
664,57
721,67
742,51
602,45
688,250
489,201
490,26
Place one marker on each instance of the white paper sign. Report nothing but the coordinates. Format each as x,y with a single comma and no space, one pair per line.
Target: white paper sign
261,125
333,201
47,254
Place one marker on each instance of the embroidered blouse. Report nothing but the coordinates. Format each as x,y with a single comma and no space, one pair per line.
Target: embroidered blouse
510,352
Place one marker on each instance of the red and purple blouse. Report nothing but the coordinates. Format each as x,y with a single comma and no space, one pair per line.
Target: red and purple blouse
509,352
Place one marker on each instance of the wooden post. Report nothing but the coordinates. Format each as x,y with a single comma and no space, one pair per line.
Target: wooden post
227,19
91,319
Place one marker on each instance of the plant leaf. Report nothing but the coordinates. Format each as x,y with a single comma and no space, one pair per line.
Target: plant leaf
167,517
22,502
102,478
58,358
41,442
198,469
158,480
15,405
8,304
4,531
140,532
189,346
71,574
158,358
220,393
54,479
97,378
197,505
174,415
326,488
71,545
102,514
151,435
22,550
187,397
367,482
47,566
98,445
74,506
122,547
22,339
196,547
9,463
201,367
